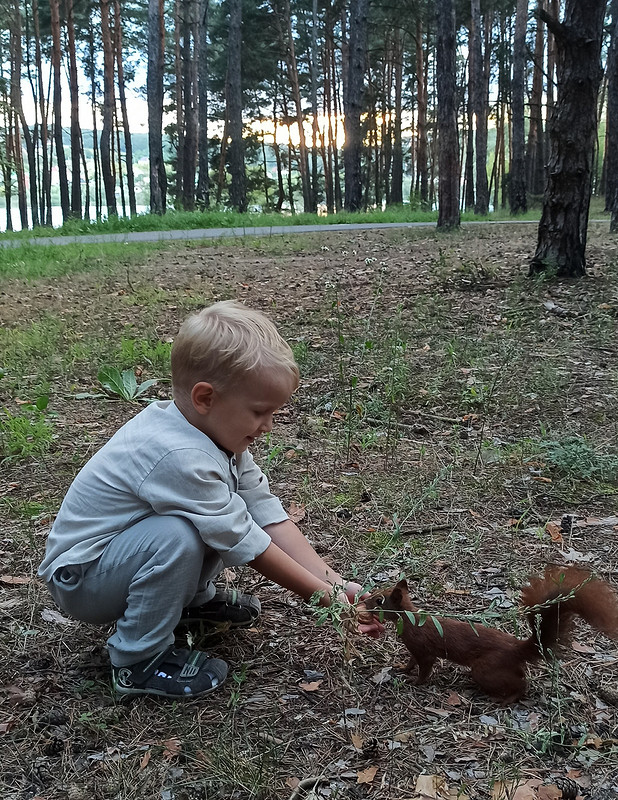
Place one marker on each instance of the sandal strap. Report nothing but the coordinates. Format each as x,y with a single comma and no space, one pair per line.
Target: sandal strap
145,669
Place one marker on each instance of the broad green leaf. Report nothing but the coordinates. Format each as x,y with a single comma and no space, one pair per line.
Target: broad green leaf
145,386
129,381
111,380
439,628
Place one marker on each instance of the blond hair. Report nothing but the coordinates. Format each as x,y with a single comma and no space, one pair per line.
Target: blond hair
222,343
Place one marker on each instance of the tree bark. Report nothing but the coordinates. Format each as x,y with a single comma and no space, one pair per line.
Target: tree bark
109,181
236,149
422,168
16,67
517,178
536,144
396,196
573,127
56,67
76,134
154,91
128,145
611,148
448,145
45,201
202,195
479,105
353,104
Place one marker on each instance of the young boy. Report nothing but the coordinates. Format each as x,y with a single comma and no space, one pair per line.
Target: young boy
173,498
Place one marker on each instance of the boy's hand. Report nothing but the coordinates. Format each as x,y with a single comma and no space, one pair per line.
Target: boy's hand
366,622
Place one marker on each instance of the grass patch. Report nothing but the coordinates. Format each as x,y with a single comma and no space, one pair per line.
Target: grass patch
32,261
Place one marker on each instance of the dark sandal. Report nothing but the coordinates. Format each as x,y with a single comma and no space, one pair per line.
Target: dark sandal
172,673
227,607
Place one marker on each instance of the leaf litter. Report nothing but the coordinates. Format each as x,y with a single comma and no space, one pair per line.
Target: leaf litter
406,462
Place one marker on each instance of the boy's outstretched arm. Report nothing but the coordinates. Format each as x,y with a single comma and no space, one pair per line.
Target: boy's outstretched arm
295,551
279,567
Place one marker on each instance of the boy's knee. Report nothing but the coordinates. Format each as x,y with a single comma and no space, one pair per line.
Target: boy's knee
181,540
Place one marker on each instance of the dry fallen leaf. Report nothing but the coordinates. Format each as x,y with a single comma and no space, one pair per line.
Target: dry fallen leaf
296,512
582,648
554,531
357,741
145,759
50,615
171,748
434,787
549,792
510,790
14,580
366,775
310,687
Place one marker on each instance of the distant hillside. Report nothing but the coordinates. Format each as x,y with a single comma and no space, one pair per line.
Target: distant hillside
139,142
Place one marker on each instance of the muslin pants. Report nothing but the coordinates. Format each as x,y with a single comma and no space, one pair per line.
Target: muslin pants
144,578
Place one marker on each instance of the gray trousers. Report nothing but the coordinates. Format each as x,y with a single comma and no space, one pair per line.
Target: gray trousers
145,577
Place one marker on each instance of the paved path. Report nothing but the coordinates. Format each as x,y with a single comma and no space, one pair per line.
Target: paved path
221,233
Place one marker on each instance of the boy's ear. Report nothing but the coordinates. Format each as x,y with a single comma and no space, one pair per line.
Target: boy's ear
202,396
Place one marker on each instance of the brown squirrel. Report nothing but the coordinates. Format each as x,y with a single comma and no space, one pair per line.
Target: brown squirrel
497,659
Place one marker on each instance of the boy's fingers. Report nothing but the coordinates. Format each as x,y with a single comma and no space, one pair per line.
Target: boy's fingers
375,631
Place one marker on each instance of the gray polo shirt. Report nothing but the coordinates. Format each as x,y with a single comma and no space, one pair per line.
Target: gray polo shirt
158,463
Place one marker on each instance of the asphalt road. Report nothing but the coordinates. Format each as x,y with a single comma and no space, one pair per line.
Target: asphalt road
221,233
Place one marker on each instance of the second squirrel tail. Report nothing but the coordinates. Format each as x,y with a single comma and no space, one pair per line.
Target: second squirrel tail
561,594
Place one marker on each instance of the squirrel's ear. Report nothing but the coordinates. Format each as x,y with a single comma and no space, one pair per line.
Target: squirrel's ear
403,585
396,595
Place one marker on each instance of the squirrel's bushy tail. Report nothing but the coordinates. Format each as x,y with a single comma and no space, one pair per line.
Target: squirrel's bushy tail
550,617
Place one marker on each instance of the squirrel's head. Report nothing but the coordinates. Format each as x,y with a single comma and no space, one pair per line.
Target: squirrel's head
388,599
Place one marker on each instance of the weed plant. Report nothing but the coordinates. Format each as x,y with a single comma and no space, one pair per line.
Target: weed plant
27,433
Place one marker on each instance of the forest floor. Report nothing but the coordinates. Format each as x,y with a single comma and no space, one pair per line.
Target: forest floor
456,423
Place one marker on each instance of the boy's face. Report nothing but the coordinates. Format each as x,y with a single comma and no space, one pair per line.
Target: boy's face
236,417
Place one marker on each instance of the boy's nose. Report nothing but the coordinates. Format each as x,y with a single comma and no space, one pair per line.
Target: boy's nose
267,425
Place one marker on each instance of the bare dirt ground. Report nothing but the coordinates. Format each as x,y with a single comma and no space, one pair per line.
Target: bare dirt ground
456,423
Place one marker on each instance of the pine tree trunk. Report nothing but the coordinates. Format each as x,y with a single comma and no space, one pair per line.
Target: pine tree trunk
76,134
202,195
517,179
109,182
468,191
353,104
535,178
98,200
397,162
45,201
422,168
479,105
328,146
122,96
611,150
313,67
154,91
448,144
236,152
179,102
189,80
16,67
56,67
573,127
